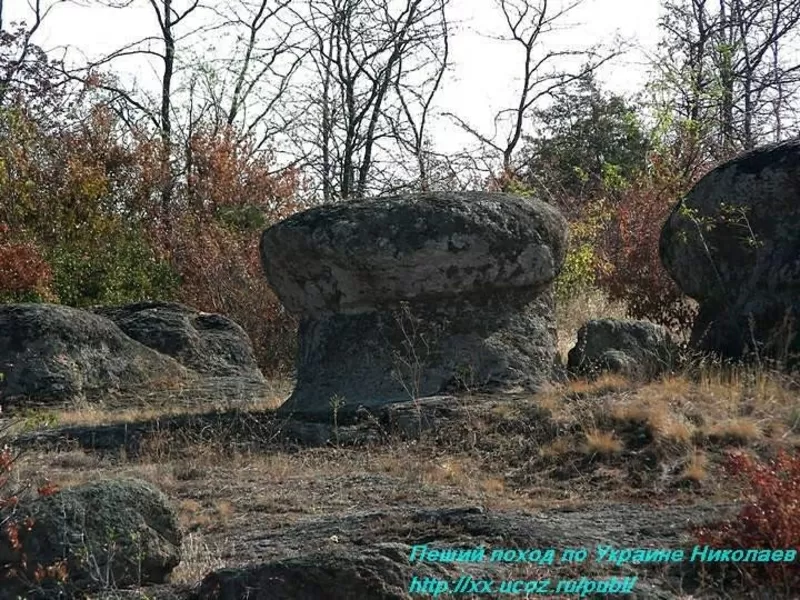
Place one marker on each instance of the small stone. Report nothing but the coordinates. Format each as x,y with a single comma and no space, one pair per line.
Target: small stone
636,349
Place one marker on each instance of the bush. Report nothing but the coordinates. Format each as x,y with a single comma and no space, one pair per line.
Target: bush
583,264
770,518
25,275
231,196
74,201
220,271
88,199
631,245
11,524
118,269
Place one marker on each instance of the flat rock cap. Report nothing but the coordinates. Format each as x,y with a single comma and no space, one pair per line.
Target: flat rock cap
358,256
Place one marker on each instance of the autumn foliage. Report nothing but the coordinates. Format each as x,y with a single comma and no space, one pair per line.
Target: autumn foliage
24,273
13,527
82,221
232,196
631,245
631,242
769,518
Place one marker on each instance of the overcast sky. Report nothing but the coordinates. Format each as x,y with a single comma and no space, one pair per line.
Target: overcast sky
486,72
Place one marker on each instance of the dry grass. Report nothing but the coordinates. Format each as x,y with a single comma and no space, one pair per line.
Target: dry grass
83,413
76,460
734,431
557,448
605,383
660,421
725,406
566,403
602,443
198,558
696,468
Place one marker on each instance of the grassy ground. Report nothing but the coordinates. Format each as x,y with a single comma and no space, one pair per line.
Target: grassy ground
608,440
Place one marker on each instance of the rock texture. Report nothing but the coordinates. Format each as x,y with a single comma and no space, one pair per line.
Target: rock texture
352,557
636,349
378,572
114,532
402,297
733,244
57,353
207,343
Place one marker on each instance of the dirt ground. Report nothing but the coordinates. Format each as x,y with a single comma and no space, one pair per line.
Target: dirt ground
578,465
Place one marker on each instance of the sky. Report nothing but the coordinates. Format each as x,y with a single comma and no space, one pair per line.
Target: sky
485,76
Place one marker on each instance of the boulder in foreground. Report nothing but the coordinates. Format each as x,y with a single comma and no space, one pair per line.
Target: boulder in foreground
107,533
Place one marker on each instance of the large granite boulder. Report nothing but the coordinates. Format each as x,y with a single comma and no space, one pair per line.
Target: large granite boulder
733,244
402,297
207,343
51,353
118,533
636,349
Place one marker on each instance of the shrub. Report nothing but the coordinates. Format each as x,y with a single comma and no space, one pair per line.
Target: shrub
631,245
583,264
770,518
74,201
117,269
220,271
25,275
11,524
231,196
88,196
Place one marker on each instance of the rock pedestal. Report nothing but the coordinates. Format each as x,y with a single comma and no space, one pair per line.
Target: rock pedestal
405,297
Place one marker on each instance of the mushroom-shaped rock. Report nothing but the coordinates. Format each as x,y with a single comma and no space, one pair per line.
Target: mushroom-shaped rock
733,244
400,297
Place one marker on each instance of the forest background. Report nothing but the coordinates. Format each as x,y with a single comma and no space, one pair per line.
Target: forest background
146,144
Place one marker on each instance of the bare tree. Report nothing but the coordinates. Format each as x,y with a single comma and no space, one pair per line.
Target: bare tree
159,112
259,70
423,95
362,52
731,53
529,24
762,26
687,82
21,61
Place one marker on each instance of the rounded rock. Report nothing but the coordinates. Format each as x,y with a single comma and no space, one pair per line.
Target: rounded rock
350,258
733,244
